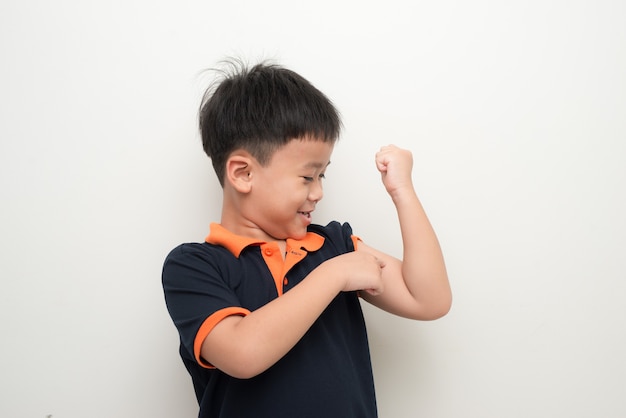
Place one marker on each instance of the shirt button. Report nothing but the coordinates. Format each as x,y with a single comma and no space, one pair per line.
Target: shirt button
268,252
285,281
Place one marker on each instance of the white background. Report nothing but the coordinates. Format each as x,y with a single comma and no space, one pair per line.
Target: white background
515,112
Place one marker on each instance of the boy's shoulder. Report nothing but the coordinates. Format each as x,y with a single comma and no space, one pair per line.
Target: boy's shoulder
333,229
195,251
337,235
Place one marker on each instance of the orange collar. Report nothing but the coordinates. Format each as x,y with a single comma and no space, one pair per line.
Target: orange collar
236,243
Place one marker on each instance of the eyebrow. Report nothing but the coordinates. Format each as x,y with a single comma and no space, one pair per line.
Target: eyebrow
316,165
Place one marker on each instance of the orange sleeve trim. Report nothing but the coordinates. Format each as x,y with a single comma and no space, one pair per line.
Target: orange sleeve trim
355,241
208,325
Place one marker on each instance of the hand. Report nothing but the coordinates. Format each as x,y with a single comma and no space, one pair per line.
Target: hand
360,270
395,165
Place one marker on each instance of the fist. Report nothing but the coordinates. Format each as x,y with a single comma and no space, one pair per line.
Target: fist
395,166
359,271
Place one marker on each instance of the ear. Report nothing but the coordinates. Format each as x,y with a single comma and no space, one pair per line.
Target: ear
239,172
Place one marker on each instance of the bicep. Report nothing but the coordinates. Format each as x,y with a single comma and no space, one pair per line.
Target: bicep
396,297
229,348
219,347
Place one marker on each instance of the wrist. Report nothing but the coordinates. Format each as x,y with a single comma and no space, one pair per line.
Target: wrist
402,193
327,276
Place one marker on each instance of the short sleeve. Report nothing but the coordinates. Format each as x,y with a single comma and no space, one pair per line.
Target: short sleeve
339,235
197,294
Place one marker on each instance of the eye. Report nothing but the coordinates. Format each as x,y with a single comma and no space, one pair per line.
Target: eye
311,179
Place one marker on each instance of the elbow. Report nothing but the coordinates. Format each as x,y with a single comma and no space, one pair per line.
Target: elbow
433,311
440,305
441,309
438,312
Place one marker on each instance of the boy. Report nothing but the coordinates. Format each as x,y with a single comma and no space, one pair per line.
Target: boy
268,307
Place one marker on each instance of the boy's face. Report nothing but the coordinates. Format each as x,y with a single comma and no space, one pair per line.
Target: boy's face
284,193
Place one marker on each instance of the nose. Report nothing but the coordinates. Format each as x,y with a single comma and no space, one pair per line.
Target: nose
316,191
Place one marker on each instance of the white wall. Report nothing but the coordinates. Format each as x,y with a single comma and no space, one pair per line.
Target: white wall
515,112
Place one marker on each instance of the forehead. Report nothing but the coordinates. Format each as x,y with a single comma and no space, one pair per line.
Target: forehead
305,153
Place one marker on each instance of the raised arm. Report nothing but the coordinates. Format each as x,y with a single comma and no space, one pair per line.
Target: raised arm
417,286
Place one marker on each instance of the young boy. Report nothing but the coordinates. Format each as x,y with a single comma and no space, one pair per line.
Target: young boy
268,307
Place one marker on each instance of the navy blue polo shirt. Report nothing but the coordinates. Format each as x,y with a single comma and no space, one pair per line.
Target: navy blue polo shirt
326,374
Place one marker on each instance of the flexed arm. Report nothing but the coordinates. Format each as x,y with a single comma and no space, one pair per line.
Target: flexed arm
417,286
243,347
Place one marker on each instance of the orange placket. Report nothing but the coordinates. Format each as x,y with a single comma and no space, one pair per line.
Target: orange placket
279,266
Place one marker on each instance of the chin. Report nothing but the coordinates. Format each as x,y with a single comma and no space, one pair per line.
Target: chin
298,234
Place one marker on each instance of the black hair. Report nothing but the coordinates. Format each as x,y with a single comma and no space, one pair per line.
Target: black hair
260,109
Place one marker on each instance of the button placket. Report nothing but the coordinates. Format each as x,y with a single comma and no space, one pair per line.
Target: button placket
275,263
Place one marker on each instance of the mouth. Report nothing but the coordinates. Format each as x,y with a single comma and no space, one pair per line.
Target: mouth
306,214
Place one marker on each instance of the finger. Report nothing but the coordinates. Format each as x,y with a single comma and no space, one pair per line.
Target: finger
382,161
